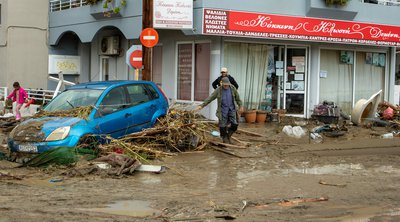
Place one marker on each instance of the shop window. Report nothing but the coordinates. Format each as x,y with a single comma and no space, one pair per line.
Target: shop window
193,82
336,79
248,64
370,74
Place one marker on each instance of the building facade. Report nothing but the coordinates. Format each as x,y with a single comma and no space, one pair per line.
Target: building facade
24,43
289,58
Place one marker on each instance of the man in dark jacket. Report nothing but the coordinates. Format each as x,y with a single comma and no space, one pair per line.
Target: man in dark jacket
228,104
224,73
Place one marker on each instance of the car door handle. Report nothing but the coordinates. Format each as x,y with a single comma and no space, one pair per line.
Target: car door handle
153,106
128,115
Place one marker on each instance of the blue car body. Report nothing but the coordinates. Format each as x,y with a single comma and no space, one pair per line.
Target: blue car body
122,107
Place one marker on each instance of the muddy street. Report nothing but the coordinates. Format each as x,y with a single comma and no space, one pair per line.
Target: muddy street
351,178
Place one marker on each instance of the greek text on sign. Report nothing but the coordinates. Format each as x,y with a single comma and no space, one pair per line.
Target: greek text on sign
256,25
173,14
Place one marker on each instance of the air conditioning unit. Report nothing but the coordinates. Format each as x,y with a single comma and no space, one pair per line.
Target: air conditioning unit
109,45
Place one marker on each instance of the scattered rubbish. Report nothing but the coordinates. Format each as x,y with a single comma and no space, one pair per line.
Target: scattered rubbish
227,151
249,133
331,184
296,132
81,112
327,112
7,115
179,131
227,145
247,144
287,203
388,114
215,133
226,217
365,108
301,123
316,137
121,164
103,166
56,180
151,168
244,205
320,129
8,176
334,133
387,136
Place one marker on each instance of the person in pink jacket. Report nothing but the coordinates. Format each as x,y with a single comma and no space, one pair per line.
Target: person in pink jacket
19,96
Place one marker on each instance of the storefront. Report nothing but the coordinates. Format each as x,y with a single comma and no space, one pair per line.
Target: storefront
295,63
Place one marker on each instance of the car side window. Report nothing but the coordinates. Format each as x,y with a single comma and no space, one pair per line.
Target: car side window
153,92
114,101
138,94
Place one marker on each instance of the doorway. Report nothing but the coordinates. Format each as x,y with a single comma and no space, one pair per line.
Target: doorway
104,68
287,80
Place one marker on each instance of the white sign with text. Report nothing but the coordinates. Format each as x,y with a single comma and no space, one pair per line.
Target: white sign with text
64,64
173,14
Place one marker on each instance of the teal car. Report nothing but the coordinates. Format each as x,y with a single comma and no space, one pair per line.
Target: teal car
120,108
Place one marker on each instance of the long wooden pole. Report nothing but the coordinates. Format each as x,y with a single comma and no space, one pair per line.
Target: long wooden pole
147,22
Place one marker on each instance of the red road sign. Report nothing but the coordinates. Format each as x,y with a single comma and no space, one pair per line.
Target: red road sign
149,37
136,59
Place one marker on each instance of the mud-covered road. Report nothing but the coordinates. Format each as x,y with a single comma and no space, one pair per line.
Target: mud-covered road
355,177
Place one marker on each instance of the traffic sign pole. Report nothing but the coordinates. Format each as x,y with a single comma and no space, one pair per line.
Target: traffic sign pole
136,74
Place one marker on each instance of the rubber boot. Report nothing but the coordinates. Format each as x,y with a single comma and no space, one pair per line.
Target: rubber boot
224,134
231,130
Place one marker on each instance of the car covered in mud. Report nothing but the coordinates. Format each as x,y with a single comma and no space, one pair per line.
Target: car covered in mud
118,108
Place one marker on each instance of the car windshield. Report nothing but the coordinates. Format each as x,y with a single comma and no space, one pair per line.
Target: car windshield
74,98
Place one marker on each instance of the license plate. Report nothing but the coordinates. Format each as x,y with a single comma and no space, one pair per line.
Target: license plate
28,148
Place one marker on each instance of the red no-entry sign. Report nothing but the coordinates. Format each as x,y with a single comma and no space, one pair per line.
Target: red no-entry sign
149,37
136,59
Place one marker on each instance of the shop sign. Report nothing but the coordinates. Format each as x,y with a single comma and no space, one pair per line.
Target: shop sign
173,14
256,25
64,64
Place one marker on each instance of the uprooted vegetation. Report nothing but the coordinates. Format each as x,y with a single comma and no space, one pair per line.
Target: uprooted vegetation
178,131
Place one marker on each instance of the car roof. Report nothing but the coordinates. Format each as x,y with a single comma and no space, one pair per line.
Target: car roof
104,84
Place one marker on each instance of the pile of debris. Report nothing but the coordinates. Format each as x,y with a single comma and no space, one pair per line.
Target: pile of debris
7,124
81,112
178,131
389,112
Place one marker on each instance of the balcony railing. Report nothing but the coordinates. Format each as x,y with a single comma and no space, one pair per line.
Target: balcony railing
383,2
58,5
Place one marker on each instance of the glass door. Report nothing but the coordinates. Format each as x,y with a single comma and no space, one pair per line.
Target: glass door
293,84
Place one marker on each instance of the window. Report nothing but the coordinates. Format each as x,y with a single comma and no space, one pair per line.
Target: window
114,101
0,14
351,76
138,94
193,82
153,92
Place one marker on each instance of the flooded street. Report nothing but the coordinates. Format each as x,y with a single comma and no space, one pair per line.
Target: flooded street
339,180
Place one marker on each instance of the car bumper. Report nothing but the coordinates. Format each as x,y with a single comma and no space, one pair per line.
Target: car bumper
40,147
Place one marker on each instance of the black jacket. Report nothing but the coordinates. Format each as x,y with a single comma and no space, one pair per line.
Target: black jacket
217,82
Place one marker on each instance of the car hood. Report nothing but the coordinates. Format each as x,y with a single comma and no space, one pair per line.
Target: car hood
37,129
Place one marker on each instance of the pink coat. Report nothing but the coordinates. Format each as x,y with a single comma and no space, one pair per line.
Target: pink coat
22,96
